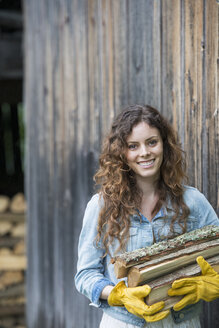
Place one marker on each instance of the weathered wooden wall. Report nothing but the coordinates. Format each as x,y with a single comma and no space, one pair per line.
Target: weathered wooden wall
84,60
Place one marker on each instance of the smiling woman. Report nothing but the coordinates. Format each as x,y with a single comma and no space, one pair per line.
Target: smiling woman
144,157
142,200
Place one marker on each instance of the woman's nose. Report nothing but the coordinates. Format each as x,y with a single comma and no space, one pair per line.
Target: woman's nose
144,150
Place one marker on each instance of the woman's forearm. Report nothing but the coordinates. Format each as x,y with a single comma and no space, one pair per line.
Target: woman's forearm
105,292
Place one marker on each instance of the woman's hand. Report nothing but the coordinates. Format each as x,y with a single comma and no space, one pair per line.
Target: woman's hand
133,300
205,287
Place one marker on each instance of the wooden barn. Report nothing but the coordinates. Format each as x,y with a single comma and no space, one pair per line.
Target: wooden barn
84,60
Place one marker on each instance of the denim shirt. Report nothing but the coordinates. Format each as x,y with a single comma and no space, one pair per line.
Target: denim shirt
95,272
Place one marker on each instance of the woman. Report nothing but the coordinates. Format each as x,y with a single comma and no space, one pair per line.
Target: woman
141,201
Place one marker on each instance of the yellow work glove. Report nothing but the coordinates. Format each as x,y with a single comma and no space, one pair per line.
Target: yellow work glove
133,300
205,287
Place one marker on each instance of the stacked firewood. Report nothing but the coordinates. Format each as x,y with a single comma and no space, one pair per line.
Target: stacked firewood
12,261
162,263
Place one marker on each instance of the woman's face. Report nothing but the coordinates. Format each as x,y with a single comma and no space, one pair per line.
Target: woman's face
144,153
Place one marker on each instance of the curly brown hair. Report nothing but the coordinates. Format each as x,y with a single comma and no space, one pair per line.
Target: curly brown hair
118,187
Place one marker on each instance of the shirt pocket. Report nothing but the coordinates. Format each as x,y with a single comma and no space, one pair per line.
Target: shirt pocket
192,224
132,243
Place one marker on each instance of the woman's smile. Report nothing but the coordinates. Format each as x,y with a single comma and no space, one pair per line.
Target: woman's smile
146,164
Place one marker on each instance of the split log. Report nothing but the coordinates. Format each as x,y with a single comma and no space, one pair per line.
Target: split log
13,291
5,251
123,262
168,263
18,230
18,204
13,262
5,228
11,217
9,242
12,310
12,301
160,286
10,278
4,203
20,248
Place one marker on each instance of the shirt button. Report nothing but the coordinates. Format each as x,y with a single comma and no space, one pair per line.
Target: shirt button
182,315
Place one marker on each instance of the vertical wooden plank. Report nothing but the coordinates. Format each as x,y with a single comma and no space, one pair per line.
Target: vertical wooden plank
108,110
151,39
193,90
138,56
86,17
171,61
34,93
95,86
65,141
212,108
156,84
176,55
120,53
211,178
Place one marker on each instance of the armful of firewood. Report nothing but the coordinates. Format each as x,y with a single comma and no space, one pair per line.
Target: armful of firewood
182,244
162,263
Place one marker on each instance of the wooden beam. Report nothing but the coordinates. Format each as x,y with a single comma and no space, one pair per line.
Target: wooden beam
11,19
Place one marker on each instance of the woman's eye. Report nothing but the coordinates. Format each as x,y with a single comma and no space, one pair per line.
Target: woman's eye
152,142
131,147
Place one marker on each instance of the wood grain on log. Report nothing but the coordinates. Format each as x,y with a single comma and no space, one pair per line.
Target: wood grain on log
5,228
19,230
10,278
9,242
18,204
160,286
5,251
12,310
11,217
13,262
4,203
13,290
20,248
157,267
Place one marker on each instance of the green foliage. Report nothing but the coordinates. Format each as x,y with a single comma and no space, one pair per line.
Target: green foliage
7,134
21,132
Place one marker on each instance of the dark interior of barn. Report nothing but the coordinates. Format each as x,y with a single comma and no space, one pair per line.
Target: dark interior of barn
12,219
11,110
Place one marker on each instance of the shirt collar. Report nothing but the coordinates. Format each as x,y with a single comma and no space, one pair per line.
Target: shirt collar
161,213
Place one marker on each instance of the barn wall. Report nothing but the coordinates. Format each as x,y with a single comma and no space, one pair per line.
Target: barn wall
84,61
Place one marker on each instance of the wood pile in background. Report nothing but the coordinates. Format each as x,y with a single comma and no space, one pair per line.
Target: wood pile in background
13,261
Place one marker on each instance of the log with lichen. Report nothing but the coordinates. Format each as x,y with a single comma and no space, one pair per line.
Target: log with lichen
182,244
167,263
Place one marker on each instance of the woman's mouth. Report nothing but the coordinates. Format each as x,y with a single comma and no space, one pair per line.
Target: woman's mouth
146,164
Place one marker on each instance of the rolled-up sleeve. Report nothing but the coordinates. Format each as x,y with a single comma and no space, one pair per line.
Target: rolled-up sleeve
200,208
206,213
90,279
